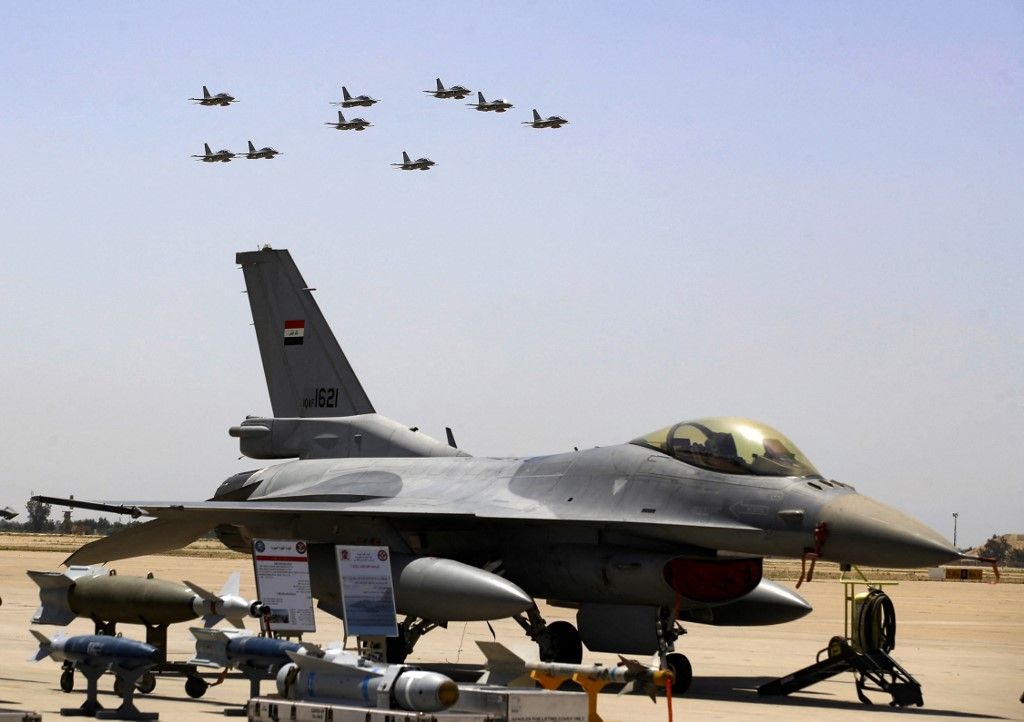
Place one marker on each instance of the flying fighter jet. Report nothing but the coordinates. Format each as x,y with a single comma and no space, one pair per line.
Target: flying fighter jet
552,121
456,91
498,106
224,99
347,101
7,513
640,536
222,155
263,152
353,124
418,164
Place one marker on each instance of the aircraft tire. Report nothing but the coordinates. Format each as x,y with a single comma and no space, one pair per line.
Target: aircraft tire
563,643
67,680
146,683
195,687
679,664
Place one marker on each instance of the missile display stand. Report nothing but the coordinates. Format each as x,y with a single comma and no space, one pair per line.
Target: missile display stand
870,634
127,679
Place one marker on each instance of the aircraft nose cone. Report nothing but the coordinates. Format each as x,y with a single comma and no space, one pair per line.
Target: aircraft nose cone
864,531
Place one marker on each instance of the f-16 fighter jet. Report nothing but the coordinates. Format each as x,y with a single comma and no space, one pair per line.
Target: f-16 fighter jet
222,155
224,99
264,152
552,121
353,124
347,101
456,91
498,106
667,528
418,164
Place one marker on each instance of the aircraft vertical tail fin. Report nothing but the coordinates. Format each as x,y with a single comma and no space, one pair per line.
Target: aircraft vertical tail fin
480,97
252,148
440,86
344,93
307,373
536,115
206,92
405,157
341,118
207,147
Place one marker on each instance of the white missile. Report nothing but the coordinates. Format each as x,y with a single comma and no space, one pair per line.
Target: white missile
344,676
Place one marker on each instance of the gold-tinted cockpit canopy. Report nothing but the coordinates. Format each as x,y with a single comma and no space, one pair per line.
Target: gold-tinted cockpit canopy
730,445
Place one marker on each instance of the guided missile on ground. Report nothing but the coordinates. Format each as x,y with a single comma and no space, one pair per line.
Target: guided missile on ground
506,668
344,676
94,654
93,592
257,658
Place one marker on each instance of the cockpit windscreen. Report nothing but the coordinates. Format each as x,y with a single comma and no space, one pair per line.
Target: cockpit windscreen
730,445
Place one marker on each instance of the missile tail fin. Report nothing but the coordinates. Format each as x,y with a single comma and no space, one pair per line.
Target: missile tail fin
44,646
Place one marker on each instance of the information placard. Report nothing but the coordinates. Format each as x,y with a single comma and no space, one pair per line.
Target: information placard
282,582
367,593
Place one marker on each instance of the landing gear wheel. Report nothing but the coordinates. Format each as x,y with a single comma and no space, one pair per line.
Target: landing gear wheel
67,680
680,665
563,644
146,683
395,648
195,687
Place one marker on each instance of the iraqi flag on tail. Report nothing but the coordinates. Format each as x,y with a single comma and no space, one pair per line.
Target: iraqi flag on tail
294,332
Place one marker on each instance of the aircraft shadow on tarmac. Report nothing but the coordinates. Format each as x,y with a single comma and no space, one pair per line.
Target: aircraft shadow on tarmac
744,689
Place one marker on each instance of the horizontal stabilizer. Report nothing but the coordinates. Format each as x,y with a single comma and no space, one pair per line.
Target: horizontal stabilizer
151,537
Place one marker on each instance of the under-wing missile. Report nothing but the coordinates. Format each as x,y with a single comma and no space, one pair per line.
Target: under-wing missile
94,654
345,676
93,592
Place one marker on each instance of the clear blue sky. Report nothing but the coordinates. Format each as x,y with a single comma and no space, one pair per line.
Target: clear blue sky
807,213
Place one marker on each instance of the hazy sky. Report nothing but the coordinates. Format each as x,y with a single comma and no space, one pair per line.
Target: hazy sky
807,213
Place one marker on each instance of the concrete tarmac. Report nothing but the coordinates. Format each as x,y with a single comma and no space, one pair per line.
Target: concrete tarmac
964,642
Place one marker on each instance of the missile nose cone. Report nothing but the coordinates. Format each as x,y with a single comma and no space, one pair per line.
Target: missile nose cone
447,694
864,531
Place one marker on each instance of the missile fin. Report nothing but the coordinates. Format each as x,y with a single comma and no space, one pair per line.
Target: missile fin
308,663
504,667
53,596
44,646
231,586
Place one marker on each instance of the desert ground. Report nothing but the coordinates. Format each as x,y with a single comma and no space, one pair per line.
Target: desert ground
964,642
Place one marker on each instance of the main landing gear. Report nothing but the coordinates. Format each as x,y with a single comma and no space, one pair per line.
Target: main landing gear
558,641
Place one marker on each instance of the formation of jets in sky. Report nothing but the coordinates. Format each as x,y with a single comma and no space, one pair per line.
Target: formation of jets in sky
455,92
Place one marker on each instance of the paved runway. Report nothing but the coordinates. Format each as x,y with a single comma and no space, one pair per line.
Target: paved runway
964,642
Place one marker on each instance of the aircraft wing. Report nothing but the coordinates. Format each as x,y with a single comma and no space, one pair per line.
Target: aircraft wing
176,524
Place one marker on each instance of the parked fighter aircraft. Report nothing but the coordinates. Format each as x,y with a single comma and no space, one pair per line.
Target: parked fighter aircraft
264,152
347,101
552,121
224,99
498,106
353,124
671,526
221,155
456,91
418,164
